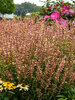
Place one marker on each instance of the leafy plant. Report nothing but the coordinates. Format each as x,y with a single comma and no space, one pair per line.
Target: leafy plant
67,95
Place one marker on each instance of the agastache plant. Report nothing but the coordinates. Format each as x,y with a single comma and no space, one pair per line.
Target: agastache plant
38,55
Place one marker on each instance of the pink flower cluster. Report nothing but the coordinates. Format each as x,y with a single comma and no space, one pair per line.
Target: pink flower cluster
46,17
67,10
50,7
56,15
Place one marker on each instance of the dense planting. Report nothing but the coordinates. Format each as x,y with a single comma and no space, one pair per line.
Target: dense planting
38,55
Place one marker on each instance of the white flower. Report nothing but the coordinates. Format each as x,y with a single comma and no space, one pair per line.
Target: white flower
1,81
26,87
22,88
19,85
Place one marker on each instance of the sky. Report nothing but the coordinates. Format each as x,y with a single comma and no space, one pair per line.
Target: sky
37,2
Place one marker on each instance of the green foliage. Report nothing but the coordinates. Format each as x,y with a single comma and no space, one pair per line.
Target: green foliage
42,10
10,68
67,94
7,6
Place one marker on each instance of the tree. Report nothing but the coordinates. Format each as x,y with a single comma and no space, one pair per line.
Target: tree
7,6
22,9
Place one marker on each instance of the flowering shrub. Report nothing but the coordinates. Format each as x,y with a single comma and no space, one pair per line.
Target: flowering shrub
58,11
39,55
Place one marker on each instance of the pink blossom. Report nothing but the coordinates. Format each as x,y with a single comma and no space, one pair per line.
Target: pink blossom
73,14
73,22
62,3
64,8
50,7
55,15
64,13
71,11
46,17
46,11
56,3
56,11
67,9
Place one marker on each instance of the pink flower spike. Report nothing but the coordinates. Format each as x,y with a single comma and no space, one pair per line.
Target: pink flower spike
63,22
46,17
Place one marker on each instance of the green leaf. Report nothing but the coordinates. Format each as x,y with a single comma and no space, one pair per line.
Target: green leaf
6,98
15,99
73,90
11,92
61,99
61,96
66,98
53,2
